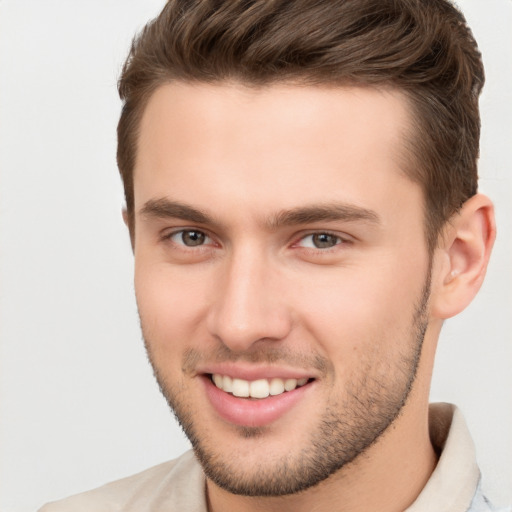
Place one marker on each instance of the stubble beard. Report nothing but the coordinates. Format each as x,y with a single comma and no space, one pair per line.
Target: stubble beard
348,427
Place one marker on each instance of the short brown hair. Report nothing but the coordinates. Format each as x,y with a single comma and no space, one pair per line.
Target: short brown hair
423,48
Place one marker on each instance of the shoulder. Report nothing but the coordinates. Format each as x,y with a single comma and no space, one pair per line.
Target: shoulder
175,485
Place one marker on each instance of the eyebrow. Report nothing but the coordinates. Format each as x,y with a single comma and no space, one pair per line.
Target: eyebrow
164,208
322,213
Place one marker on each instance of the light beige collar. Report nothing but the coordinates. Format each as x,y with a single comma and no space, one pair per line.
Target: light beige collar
455,478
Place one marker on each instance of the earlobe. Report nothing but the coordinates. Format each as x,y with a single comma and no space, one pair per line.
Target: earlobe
464,256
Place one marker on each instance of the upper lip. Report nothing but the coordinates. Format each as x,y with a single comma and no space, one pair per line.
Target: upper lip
251,372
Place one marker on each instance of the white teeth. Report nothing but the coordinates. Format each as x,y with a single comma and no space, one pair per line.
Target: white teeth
276,386
290,384
218,380
227,384
260,388
241,388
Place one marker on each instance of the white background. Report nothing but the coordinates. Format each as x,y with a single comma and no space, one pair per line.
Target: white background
78,403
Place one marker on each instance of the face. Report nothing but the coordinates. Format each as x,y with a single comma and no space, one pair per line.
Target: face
281,274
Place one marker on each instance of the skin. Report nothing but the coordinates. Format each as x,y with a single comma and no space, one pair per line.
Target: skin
361,318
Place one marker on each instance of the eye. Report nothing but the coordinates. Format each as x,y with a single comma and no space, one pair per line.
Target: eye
320,241
189,237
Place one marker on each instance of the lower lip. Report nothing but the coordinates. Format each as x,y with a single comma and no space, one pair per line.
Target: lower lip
253,413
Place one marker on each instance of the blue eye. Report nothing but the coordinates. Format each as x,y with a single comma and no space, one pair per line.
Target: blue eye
189,237
320,241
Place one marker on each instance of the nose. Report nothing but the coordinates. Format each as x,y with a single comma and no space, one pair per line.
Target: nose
248,305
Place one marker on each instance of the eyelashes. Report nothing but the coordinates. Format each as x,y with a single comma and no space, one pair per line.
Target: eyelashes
189,238
320,240
193,239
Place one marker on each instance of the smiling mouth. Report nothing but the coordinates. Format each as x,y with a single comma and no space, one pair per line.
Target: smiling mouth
261,388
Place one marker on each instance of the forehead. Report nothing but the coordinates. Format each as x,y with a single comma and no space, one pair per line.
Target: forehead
280,144
193,112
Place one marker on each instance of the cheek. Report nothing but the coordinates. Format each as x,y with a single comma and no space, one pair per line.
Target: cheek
358,312
169,305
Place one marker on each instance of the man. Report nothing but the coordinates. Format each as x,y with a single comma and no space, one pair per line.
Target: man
301,195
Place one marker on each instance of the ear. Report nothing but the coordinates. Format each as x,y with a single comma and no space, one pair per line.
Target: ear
125,216
126,220
463,256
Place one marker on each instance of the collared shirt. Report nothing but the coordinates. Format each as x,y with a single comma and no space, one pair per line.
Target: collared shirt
179,485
